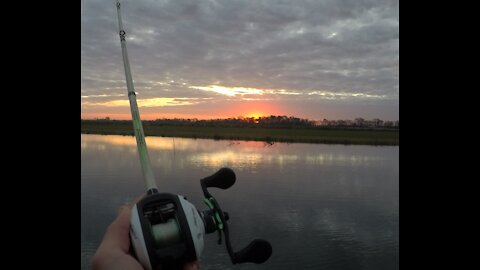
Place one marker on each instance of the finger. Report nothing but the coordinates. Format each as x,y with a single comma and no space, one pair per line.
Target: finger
135,201
117,235
191,266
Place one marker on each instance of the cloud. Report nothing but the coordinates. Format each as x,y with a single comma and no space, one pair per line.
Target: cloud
344,95
149,102
230,91
274,46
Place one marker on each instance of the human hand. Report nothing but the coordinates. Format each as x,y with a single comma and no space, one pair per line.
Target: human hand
112,254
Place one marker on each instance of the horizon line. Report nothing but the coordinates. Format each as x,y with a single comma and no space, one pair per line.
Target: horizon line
239,117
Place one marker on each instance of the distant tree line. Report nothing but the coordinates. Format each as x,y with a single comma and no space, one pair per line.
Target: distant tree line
268,122
360,122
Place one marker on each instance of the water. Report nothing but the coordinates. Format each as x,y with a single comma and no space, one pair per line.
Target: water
320,206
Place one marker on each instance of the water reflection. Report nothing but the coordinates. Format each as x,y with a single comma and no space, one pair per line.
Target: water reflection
321,206
213,154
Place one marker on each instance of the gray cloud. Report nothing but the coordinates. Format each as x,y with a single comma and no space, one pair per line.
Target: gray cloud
299,46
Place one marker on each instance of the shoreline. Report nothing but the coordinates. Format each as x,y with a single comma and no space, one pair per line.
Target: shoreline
269,135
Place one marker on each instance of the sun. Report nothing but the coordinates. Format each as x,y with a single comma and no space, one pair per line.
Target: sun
255,115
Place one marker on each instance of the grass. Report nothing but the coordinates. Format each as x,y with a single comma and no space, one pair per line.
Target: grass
304,135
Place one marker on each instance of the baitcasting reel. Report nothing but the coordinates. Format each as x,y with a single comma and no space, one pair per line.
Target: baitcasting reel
167,230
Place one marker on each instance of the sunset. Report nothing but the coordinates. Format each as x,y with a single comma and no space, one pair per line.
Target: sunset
239,134
209,59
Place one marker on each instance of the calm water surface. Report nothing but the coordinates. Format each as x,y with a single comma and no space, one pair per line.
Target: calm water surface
320,206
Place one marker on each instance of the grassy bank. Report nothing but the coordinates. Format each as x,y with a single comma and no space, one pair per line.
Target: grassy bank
304,135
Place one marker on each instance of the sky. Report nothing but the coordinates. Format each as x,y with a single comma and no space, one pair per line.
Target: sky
315,59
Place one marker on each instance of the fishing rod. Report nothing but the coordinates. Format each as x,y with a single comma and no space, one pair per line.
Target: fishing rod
137,123
166,230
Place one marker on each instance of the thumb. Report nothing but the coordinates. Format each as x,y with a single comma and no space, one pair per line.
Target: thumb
117,235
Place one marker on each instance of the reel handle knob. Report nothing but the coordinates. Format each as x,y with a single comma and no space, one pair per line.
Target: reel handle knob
223,178
258,251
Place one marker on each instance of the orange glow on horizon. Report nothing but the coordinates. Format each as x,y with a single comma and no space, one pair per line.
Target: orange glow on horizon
154,116
256,109
250,108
